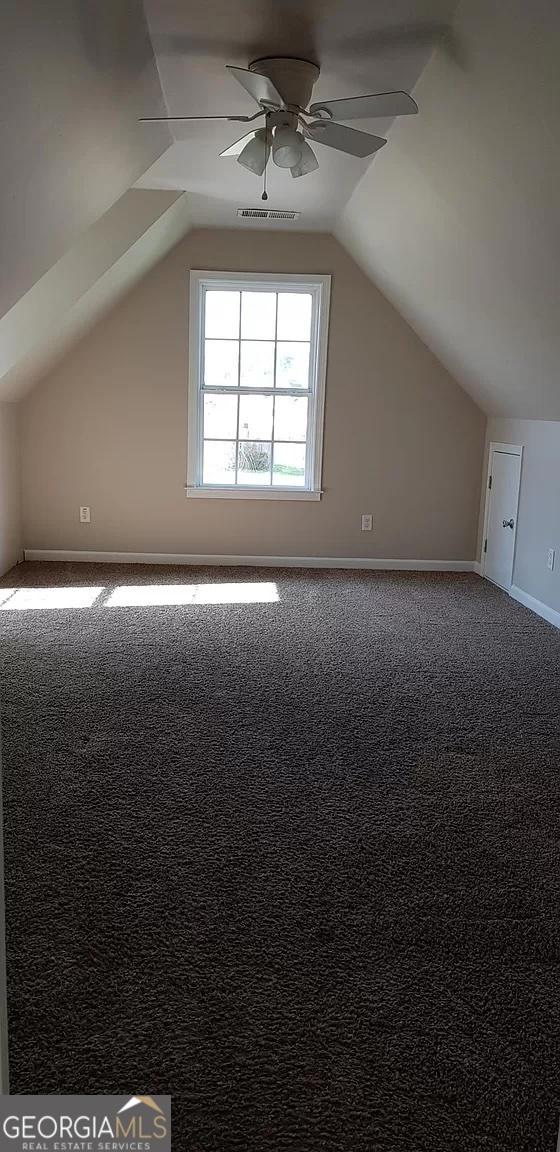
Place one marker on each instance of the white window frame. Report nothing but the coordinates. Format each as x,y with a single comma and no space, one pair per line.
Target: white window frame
319,289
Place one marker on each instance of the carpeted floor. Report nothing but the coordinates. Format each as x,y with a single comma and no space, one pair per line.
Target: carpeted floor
295,862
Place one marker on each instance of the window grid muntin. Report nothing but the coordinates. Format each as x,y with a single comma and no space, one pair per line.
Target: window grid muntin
239,389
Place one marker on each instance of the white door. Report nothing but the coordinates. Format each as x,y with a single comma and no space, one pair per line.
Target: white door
501,513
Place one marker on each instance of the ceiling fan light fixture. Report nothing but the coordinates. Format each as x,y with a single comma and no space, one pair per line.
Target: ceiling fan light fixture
307,163
286,147
255,154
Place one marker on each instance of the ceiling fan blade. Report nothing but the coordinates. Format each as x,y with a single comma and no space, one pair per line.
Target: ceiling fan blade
171,119
360,107
259,87
344,139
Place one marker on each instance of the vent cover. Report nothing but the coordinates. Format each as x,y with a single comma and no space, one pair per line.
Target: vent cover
267,214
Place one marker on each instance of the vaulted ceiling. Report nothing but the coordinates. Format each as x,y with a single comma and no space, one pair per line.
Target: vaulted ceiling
456,219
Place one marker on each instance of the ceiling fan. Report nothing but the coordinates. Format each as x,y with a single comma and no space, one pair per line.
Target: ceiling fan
282,87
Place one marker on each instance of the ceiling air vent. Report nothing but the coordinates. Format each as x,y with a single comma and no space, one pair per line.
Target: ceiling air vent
267,214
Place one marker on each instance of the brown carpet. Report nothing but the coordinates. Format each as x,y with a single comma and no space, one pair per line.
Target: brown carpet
293,861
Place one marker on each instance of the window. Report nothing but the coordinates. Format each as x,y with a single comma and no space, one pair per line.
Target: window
258,347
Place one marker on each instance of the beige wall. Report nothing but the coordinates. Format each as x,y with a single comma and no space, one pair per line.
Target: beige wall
107,428
10,503
538,519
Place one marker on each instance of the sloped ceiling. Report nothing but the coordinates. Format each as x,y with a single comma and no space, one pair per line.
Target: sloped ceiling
458,220
103,264
75,76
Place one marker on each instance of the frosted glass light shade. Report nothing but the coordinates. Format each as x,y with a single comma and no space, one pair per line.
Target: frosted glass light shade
308,161
286,147
255,154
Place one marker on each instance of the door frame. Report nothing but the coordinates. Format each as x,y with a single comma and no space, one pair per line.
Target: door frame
4,1066
510,450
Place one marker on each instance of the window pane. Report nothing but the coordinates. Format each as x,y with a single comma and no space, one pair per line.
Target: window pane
290,418
255,417
292,365
221,314
220,416
294,316
257,364
220,363
219,462
253,464
258,315
289,465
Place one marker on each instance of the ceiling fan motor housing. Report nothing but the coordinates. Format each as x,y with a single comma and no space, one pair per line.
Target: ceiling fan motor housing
292,77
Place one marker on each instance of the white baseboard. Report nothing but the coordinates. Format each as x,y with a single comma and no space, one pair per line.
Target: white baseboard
535,605
248,561
477,567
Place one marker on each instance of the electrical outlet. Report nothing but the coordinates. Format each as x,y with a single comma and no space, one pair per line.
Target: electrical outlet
85,514
367,522
550,559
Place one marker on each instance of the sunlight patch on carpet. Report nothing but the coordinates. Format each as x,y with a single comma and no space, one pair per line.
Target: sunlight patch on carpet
27,599
146,595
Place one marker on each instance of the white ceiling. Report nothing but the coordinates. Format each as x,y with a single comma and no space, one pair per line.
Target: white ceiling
456,220
74,78
104,263
458,223
361,47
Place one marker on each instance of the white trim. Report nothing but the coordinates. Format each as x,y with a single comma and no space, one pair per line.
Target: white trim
248,561
4,1047
195,306
241,493
318,286
239,279
477,567
508,450
537,606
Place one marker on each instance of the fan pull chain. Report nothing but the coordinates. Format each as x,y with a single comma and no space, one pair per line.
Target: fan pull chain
265,193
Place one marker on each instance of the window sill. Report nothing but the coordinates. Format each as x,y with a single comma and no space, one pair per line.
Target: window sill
252,493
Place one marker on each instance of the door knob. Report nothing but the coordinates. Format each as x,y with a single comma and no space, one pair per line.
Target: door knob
507,523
